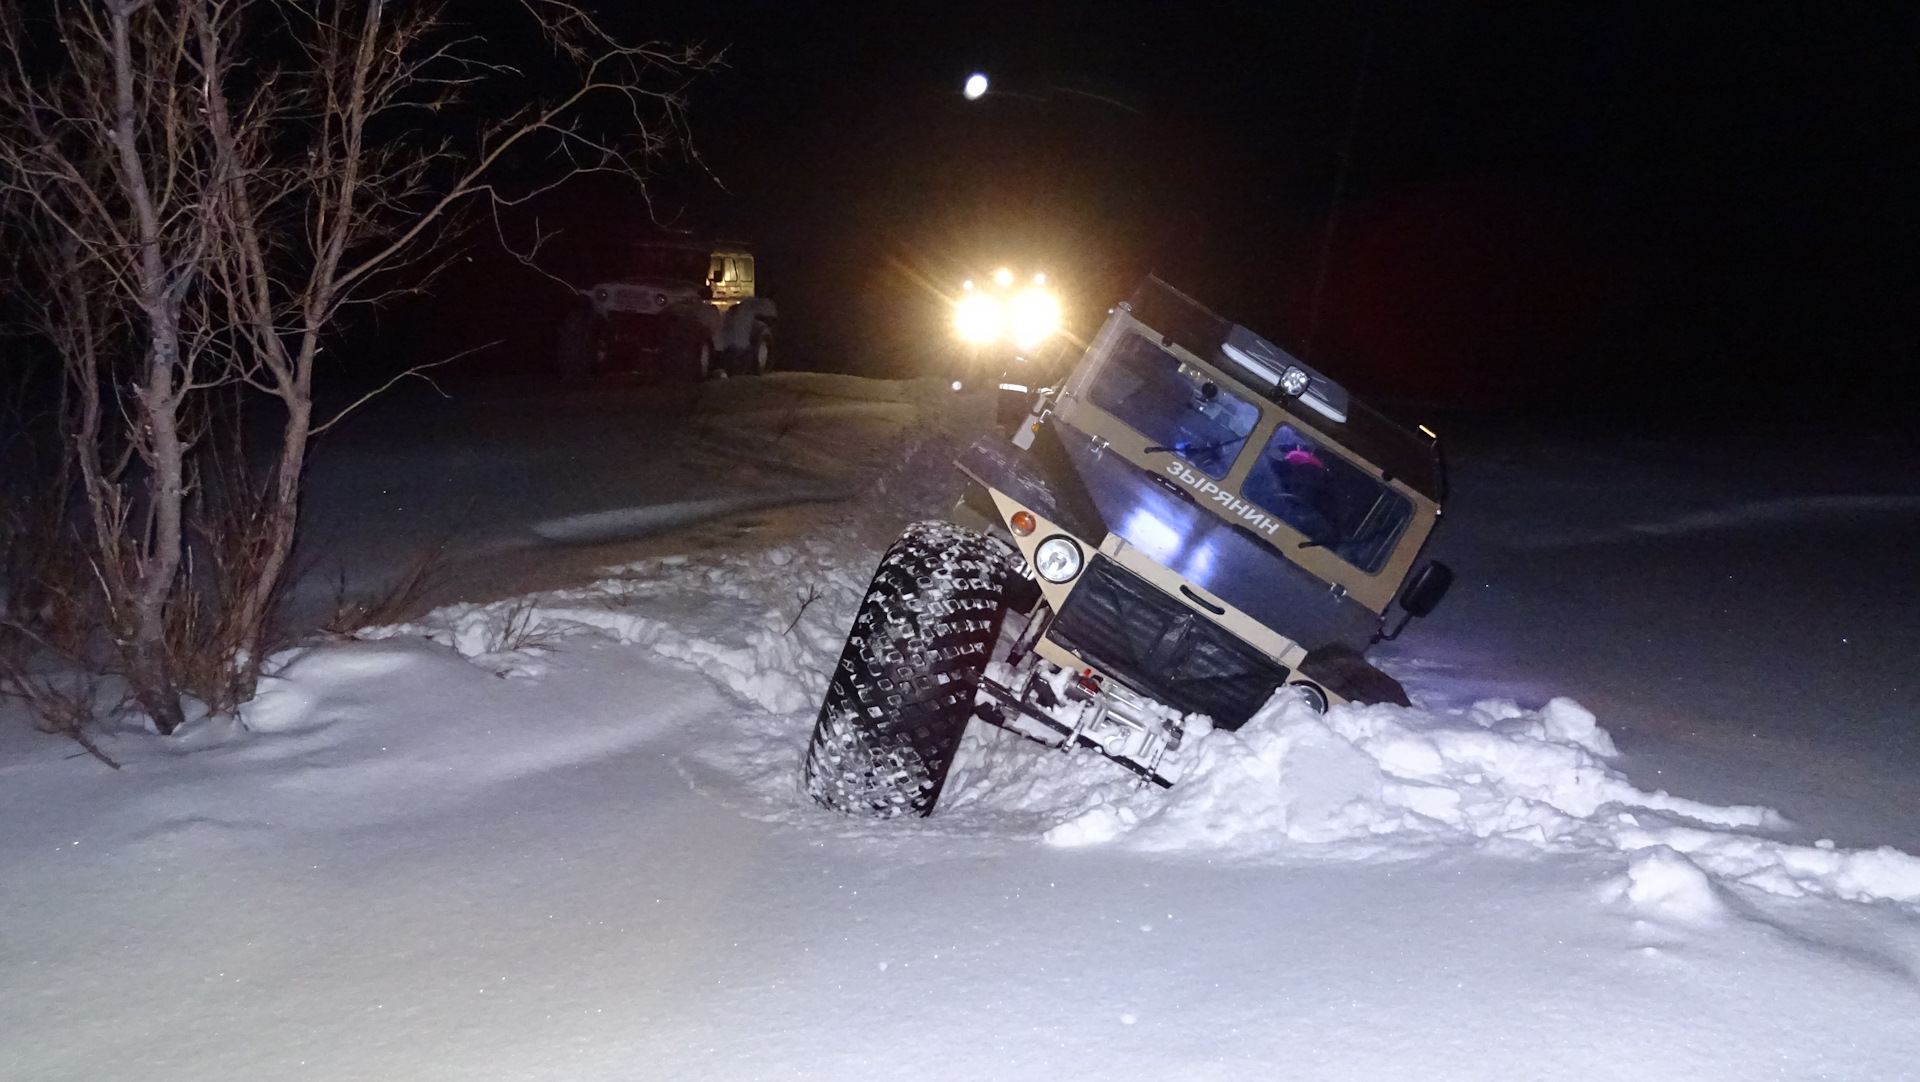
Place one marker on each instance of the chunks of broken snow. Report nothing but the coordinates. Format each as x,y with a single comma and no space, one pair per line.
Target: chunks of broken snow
1660,882
749,621
1363,780
1356,782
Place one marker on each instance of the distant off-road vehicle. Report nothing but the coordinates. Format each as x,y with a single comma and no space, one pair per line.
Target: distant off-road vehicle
685,311
1191,521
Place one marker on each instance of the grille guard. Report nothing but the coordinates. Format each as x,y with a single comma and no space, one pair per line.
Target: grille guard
1163,649
1140,747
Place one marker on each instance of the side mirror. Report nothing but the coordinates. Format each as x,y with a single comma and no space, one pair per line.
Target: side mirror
1422,593
1427,588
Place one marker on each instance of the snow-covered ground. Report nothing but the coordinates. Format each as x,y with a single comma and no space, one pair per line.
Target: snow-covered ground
551,829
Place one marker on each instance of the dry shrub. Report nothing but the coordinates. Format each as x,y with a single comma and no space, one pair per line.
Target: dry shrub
49,626
520,627
399,600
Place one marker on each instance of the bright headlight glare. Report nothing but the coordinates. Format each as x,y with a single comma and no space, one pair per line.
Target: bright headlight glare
977,318
1057,559
1033,315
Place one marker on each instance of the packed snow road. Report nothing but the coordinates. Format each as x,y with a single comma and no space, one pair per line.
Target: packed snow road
550,829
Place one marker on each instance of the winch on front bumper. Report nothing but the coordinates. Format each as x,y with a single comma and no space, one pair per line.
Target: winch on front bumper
1063,710
1162,668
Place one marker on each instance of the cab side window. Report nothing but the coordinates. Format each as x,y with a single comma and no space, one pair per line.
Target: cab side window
1336,504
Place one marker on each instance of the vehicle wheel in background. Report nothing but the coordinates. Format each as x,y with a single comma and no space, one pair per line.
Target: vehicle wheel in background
574,354
690,357
700,367
755,357
903,691
759,351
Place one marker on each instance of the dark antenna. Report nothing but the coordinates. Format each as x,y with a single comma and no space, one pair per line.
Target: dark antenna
1339,190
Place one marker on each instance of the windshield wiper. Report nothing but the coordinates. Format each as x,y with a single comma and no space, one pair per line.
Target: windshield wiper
1189,448
1371,535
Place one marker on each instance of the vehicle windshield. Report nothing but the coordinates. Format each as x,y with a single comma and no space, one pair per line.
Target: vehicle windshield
1177,406
1335,503
671,263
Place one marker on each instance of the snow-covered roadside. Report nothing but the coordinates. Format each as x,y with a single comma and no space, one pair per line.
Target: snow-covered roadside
560,837
1291,785
1738,608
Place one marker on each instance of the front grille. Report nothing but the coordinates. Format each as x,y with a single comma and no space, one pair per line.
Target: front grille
1130,630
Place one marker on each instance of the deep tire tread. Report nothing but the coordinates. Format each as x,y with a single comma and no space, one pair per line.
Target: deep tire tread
903,691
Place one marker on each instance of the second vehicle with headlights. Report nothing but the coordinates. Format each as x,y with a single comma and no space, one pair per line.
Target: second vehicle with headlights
1007,328
683,310
1191,521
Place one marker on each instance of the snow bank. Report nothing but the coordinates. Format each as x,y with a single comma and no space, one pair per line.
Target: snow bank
767,626
1355,783
1362,780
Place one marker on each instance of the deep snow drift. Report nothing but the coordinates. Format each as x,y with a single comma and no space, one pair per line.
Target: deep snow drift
1291,784
560,836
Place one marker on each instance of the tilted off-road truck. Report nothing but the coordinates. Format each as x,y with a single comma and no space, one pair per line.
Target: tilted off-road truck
684,311
1192,520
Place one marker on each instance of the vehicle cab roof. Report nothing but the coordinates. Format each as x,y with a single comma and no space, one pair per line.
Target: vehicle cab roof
1398,452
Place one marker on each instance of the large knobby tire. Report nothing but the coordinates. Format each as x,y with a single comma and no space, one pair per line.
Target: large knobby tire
903,691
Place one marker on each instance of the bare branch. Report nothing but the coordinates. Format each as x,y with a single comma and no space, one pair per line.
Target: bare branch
416,372
201,188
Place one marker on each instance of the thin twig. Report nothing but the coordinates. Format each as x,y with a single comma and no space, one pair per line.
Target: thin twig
417,370
813,594
93,749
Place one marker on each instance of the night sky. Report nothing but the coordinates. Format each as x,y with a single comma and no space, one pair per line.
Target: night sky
1686,206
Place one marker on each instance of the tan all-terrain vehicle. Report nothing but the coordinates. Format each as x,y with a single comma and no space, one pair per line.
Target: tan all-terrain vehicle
1191,521
686,310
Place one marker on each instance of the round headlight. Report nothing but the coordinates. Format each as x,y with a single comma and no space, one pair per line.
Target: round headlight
1057,559
977,319
1032,316
1294,381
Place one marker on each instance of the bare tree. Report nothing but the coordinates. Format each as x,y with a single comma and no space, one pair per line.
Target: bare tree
101,162
198,220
